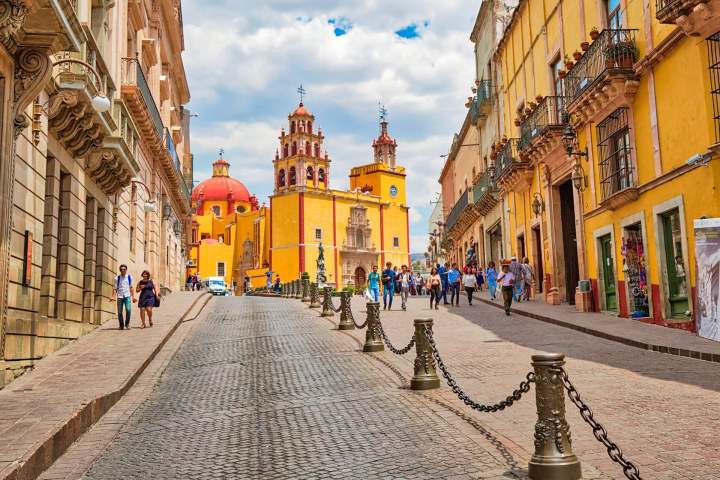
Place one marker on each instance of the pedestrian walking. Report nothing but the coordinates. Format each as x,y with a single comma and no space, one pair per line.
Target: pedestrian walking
388,278
374,283
517,271
413,287
528,278
149,298
507,282
405,280
454,279
419,284
277,287
434,285
124,295
189,283
268,282
491,275
470,283
443,272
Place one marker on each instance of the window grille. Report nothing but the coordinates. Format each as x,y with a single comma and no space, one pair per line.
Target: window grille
615,152
713,45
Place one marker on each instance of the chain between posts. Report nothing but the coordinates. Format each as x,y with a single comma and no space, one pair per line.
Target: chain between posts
332,306
517,394
357,325
391,347
630,470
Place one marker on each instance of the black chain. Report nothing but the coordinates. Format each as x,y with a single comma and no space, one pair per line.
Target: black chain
524,386
393,349
332,306
352,317
630,470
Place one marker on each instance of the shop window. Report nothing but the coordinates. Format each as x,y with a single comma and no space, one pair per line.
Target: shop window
615,153
677,294
635,268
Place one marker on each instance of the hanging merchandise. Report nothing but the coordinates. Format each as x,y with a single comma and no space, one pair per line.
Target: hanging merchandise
635,272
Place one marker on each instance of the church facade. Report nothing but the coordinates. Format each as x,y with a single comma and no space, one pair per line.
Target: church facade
366,225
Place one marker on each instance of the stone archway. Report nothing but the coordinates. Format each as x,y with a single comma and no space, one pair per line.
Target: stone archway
360,277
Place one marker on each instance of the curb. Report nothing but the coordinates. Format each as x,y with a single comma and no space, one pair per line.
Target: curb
679,352
56,445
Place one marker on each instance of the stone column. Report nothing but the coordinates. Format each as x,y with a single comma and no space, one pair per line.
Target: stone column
50,238
90,260
71,250
105,270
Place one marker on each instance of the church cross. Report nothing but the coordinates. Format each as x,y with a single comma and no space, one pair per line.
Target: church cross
302,92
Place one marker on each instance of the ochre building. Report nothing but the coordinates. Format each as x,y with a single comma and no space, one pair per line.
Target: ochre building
364,226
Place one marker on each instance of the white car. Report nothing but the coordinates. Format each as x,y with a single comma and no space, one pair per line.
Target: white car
217,286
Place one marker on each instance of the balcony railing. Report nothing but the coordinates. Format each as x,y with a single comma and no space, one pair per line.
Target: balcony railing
546,115
614,50
133,75
507,158
484,186
457,209
480,104
172,151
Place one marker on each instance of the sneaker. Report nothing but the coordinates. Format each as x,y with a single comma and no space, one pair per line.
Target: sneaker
437,308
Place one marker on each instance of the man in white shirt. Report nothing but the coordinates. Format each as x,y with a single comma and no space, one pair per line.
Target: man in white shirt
123,293
404,285
507,281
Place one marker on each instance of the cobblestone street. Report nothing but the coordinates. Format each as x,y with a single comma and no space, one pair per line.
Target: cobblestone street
264,388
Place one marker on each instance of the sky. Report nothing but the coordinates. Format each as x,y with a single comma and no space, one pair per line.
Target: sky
246,59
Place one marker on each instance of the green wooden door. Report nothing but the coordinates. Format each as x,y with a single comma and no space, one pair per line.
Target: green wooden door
608,268
676,281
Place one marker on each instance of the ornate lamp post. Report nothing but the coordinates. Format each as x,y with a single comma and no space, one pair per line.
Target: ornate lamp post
570,142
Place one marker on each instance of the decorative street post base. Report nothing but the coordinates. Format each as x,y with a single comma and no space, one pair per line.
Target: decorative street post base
425,377
373,338
298,289
346,322
305,290
314,300
553,458
327,310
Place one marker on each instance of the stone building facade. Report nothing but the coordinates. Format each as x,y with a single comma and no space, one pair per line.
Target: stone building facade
95,148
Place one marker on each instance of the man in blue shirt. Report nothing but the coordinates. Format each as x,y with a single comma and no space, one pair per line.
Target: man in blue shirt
443,272
374,283
453,277
388,277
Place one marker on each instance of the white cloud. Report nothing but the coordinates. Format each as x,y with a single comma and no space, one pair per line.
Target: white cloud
245,60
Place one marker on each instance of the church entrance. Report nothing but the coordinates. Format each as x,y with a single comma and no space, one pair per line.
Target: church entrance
360,277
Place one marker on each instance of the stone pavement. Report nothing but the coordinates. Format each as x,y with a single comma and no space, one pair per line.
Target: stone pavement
45,410
628,331
662,410
263,388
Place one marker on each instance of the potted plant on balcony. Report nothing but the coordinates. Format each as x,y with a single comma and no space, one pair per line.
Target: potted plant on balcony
532,105
584,46
594,34
562,73
577,55
568,63
538,99
622,54
518,122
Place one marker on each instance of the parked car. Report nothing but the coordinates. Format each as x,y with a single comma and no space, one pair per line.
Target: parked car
216,285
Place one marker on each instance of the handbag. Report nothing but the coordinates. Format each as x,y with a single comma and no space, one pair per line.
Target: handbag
157,301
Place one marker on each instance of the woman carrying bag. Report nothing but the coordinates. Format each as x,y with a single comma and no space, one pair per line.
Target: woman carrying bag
149,298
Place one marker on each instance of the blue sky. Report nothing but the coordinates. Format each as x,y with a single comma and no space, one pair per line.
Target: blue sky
245,61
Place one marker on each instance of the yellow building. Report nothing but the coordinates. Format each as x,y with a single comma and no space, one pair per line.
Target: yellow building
606,149
364,226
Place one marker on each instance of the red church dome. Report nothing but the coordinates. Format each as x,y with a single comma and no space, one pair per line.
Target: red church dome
301,110
221,187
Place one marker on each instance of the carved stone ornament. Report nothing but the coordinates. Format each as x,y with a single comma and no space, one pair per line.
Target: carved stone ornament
107,171
73,123
12,16
32,72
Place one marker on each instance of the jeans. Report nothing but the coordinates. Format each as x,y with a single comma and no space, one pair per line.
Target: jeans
375,291
404,291
507,293
455,294
434,295
526,296
469,291
388,292
518,291
445,287
125,303
492,289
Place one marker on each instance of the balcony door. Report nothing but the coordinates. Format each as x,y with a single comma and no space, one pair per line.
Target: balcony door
608,272
614,14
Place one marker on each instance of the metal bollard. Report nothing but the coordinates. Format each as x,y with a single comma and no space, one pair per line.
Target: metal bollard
282,290
346,322
425,377
553,458
314,300
293,289
305,290
296,289
290,287
373,339
327,310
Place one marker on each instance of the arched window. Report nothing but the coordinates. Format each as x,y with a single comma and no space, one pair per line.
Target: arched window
281,178
317,149
292,127
308,150
294,148
293,177
286,149
310,174
321,175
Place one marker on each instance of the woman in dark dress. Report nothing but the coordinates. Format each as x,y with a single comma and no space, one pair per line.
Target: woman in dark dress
148,298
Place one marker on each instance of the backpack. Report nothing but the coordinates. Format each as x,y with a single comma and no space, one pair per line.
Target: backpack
117,282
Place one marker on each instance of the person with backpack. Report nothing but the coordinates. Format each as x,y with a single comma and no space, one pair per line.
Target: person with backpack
124,295
389,277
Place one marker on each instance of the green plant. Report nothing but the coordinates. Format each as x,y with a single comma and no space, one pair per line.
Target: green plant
305,276
621,50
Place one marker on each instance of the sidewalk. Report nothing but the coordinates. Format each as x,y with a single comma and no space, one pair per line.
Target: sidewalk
623,330
46,410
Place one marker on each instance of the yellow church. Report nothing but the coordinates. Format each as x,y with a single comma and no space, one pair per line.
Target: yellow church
366,225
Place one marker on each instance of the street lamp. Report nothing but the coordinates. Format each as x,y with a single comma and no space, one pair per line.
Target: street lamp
538,205
100,102
149,206
569,140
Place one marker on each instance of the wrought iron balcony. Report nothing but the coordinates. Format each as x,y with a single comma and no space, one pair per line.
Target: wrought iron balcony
485,193
613,52
513,172
457,210
138,95
172,151
546,118
482,102
669,11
